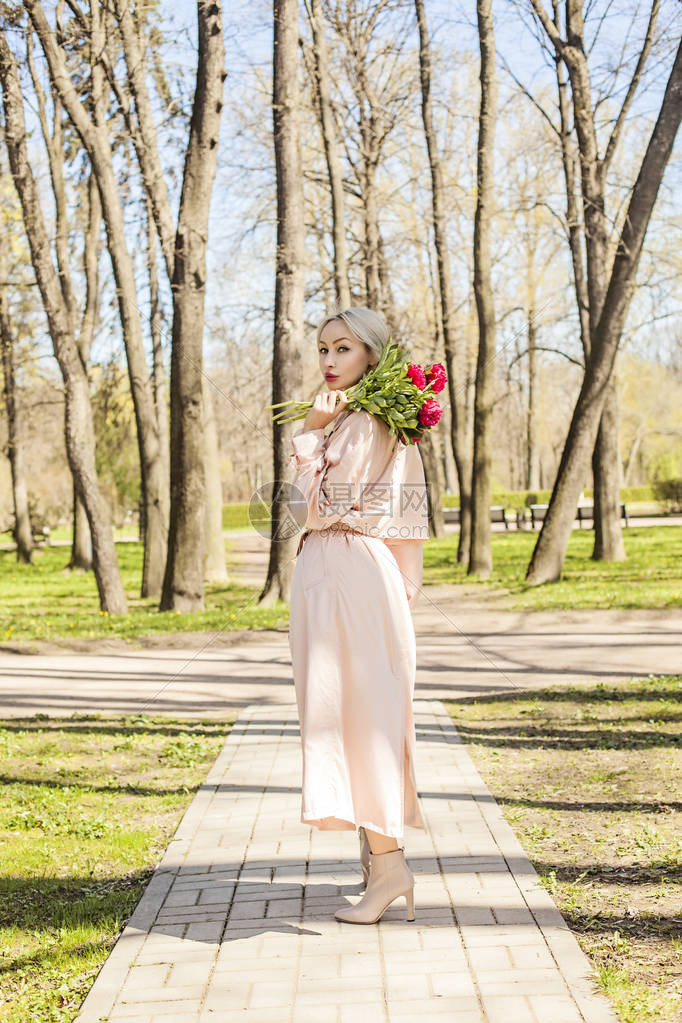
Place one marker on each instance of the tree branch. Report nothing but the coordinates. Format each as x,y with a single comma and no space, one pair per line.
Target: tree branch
526,92
553,351
632,88
549,27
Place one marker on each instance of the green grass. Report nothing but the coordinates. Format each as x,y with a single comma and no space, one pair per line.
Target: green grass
513,499
88,808
236,516
650,578
44,601
589,779
66,533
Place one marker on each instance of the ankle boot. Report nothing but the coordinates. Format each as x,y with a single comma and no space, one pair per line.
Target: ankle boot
389,877
364,853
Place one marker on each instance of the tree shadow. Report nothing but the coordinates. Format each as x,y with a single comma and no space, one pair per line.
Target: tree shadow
75,782
634,806
572,738
626,874
600,693
44,904
127,725
661,926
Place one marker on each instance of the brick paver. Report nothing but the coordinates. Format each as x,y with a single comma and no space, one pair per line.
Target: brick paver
238,920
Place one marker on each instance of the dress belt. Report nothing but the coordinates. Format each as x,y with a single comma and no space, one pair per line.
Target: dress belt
336,527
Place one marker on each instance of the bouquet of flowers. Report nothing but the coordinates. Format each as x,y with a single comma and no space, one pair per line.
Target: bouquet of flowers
396,391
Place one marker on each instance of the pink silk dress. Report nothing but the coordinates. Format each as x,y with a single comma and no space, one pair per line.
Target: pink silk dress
361,495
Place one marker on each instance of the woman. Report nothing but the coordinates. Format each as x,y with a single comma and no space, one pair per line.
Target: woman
362,495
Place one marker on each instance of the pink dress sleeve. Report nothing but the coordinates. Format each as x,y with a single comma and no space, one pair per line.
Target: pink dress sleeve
331,476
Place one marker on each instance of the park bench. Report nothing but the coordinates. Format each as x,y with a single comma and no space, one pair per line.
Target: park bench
497,514
584,513
537,513
41,537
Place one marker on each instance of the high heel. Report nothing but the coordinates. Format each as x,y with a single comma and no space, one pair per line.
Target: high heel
389,877
409,903
364,853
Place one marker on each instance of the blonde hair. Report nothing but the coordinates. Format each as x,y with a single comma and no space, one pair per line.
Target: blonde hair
366,325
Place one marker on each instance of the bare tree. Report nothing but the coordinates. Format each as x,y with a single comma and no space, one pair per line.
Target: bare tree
183,584
550,549
536,244
15,451
288,332
80,436
93,130
158,368
455,350
591,285
57,144
215,568
532,449
186,554
331,150
81,546
480,556
376,79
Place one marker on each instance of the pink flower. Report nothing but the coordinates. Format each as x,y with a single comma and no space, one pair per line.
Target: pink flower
417,375
430,413
436,376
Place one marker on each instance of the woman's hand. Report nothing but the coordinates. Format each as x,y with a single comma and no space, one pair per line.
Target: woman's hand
325,409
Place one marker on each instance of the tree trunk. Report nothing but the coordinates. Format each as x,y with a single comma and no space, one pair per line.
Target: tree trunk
532,453
606,472
23,536
81,544
80,434
480,556
215,569
573,219
158,368
455,353
370,215
185,334
591,288
387,302
328,129
549,553
634,451
183,584
287,369
81,547
94,133
429,449
449,467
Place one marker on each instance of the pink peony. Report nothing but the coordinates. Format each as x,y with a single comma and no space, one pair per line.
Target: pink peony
436,377
417,375
430,413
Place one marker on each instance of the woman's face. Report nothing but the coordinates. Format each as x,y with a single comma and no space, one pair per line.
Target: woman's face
343,359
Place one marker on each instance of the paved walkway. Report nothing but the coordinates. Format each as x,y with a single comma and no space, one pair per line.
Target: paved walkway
238,920
464,649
